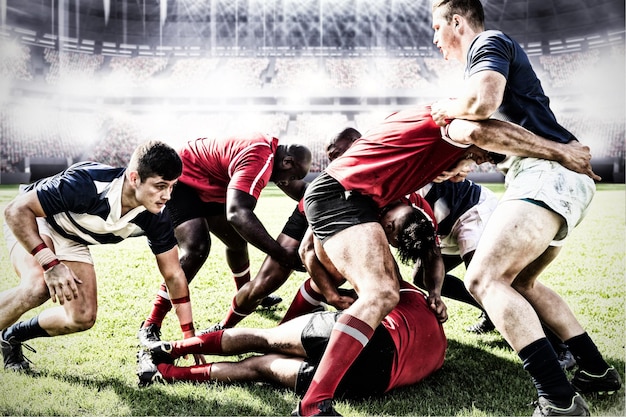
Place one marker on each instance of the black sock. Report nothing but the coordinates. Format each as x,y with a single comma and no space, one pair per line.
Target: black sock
25,330
586,354
541,363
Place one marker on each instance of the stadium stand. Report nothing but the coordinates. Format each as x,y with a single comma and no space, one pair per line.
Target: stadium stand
54,107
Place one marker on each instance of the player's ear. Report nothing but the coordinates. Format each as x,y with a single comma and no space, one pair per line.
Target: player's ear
456,21
133,178
288,162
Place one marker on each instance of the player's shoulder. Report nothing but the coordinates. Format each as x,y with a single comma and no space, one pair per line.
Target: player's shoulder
94,170
493,38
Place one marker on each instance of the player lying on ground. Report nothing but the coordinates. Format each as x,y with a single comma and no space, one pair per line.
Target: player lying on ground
407,346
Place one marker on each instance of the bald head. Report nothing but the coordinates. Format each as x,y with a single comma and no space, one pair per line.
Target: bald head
291,162
341,142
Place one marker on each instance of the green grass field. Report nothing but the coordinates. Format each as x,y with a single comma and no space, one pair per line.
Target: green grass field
93,373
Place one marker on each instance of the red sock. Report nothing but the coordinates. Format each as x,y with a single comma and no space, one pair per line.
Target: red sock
207,343
234,315
185,373
160,307
305,301
347,340
242,277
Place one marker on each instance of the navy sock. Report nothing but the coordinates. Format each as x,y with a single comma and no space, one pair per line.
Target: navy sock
25,330
540,361
586,354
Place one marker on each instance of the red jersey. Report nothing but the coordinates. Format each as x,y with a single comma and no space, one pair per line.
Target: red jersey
212,166
418,336
400,155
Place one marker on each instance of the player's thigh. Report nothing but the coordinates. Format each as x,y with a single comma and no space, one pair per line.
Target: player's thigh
225,232
361,254
517,233
86,305
193,234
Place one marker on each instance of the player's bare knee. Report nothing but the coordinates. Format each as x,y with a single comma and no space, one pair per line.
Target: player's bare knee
384,299
196,249
83,319
523,286
476,286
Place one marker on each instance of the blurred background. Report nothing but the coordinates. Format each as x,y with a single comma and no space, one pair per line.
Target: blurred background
88,80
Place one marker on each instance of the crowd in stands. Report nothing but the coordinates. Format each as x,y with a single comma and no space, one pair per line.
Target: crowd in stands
136,70
70,66
567,69
15,61
298,73
110,138
53,134
430,75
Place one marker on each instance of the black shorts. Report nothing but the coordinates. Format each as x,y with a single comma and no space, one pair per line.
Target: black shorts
296,225
330,208
369,374
185,204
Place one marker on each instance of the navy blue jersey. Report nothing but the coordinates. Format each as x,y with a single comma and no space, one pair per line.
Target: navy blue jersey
524,102
449,200
84,204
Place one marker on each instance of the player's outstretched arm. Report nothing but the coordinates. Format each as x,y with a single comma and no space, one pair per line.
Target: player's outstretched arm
240,213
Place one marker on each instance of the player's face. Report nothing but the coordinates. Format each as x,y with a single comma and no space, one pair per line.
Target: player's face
337,149
287,172
392,219
154,192
445,36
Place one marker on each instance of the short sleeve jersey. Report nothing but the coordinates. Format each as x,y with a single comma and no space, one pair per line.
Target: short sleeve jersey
213,165
450,200
418,336
84,204
400,155
524,102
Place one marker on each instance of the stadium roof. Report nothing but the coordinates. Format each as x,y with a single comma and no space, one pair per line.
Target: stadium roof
255,24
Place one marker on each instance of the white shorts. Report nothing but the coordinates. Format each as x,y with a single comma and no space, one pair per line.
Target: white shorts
467,229
565,192
65,249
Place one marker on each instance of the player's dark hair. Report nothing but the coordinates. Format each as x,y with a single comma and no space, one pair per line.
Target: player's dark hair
155,158
349,134
417,238
472,10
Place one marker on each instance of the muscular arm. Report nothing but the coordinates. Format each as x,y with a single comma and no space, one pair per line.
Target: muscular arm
511,139
481,98
240,214
434,272
21,217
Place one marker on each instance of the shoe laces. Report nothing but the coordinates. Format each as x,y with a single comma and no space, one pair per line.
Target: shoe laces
17,354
